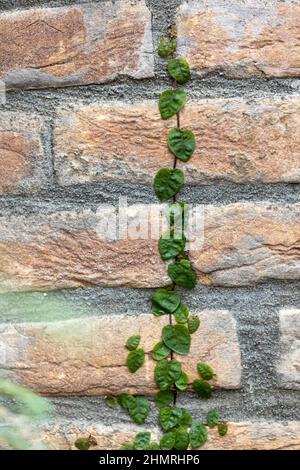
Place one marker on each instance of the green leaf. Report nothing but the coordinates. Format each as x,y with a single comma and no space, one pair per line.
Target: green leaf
142,440
171,245
167,441
171,102
160,351
166,47
222,429
186,417
202,388
164,398
169,418
167,183
177,214
110,401
212,418
164,301
182,274
139,409
205,371
193,324
85,443
182,382
177,338
135,360
127,446
181,143
198,434
153,446
125,400
133,342
166,373
181,314
182,439
179,70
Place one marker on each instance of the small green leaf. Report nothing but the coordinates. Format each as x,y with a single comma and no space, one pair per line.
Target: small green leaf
205,371
222,429
164,301
171,102
139,409
166,373
85,443
133,342
179,70
177,338
142,440
153,446
160,351
110,401
167,441
164,398
182,273
169,418
167,183
193,324
186,417
125,400
181,143
182,439
212,418
198,434
202,388
135,360
170,245
181,314
182,382
166,47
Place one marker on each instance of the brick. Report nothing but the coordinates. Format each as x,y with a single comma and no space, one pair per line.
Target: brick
80,44
238,141
289,364
88,356
258,435
256,39
246,243
23,165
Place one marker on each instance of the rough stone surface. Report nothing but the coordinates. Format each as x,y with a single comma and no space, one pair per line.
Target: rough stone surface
289,365
258,435
80,44
238,141
256,38
23,163
88,356
245,244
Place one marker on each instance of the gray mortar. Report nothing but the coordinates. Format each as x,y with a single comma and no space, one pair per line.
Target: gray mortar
255,308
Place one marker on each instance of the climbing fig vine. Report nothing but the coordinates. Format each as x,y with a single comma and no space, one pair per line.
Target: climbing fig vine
179,430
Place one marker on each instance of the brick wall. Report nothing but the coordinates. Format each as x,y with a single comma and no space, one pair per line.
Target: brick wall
80,128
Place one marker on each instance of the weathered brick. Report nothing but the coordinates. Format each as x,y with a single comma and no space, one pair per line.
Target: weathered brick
74,45
289,364
23,165
88,356
256,39
248,243
238,140
243,244
258,435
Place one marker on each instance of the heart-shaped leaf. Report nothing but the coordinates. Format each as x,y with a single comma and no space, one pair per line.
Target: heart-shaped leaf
167,183
179,70
182,143
142,440
202,388
198,434
166,47
135,360
164,398
181,314
166,373
133,342
171,102
167,441
182,439
160,351
177,338
182,382
139,409
164,301
182,273
205,371
213,418
171,245
193,324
